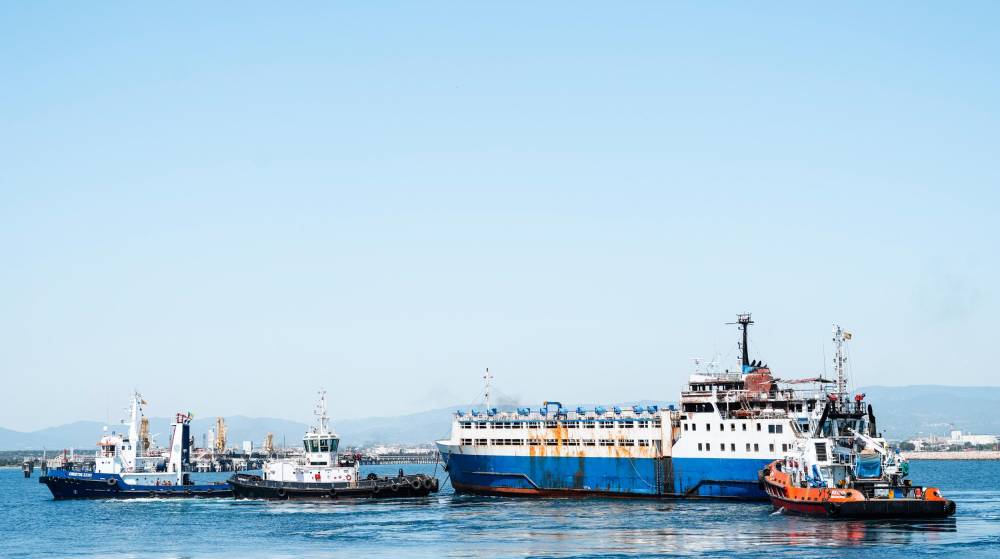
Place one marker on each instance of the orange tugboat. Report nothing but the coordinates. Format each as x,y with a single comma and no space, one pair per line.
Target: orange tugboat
842,467
857,498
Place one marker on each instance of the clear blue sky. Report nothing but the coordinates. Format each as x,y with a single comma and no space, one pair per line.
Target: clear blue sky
231,206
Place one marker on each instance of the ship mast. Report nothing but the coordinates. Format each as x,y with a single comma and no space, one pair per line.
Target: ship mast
487,377
324,420
744,321
840,337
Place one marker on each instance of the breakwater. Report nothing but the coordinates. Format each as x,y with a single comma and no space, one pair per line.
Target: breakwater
958,455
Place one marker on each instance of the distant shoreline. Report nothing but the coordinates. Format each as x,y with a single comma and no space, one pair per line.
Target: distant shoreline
969,455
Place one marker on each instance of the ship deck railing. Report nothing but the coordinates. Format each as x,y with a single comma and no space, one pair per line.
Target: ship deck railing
736,395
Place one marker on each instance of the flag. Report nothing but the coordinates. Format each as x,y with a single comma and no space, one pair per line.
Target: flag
848,335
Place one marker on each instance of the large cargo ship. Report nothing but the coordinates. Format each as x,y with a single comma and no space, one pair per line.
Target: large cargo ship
729,425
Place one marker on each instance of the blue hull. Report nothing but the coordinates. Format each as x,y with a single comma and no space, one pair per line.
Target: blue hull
78,485
731,478
617,477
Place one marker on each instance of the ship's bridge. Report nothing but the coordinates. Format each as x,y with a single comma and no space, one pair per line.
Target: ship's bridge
320,442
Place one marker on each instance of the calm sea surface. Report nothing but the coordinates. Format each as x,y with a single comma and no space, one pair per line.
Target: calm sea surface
445,525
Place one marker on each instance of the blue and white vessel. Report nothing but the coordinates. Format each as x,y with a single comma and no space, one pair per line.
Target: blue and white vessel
123,470
729,425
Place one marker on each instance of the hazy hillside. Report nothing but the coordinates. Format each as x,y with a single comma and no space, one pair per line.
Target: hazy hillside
921,410
902,412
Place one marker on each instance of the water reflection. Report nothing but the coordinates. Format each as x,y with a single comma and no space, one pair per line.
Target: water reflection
619,527
446,525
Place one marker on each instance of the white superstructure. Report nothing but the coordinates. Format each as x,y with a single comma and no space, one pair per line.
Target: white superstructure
122,453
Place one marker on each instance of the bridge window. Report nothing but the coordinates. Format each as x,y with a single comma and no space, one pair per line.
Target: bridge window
732,447
643,442
685,426
550,442
590,442
657,422
482,442
708,426
708,446
466,442
748,447
732,426
607,442
756,447
758,426
699,446
744,426
772,447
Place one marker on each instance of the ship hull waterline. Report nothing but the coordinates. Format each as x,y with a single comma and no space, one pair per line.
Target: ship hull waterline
871,509
110,486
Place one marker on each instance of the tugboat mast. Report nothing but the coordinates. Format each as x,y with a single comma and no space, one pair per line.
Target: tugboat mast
840,336
324,420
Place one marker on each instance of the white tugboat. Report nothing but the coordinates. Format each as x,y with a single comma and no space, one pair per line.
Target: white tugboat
322,474
123,470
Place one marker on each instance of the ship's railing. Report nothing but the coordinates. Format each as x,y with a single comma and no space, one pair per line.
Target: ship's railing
753,413
614,422
739,395
566,415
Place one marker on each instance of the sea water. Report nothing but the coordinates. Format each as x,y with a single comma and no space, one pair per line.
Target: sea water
448,525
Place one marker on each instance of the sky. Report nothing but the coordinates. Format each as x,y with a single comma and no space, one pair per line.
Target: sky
230,206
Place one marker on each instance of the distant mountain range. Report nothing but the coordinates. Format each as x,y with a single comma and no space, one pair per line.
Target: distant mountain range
901,412
909,411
